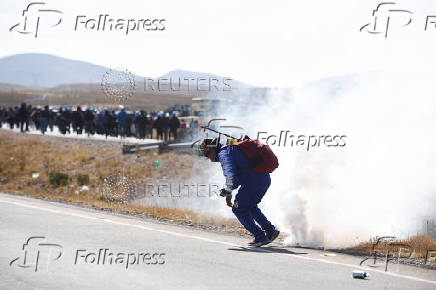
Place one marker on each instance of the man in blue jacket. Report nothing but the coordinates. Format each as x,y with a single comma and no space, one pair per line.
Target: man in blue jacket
253,186
122,122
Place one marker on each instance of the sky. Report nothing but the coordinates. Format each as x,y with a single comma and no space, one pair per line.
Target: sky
264,43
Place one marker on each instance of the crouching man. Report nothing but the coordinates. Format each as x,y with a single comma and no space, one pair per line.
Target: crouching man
238,171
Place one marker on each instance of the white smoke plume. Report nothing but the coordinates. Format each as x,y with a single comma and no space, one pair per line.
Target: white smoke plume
380,183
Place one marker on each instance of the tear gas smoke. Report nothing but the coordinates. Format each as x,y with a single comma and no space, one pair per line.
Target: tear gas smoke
382,182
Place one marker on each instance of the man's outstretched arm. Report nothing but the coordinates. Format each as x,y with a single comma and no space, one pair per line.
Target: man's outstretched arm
226,158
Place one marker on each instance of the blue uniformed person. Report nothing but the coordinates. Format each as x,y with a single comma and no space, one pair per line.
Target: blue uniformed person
238,172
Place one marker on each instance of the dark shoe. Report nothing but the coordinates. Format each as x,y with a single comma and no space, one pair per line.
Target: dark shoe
273,236
255,241
262,241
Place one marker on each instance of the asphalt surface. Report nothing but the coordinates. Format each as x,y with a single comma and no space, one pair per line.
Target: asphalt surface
65,242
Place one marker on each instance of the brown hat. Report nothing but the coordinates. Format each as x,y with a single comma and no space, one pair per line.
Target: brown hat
207,145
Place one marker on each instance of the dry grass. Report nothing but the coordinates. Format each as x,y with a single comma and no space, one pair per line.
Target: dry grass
21,156
415,247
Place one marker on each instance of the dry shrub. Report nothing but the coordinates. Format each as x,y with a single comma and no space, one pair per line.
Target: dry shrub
418,245
422,244
82,179
59,179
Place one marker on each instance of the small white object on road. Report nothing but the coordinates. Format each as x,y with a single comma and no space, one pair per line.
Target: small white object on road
360,274
84,188
329,255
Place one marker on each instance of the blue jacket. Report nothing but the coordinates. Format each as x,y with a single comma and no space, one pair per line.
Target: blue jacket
237,169
122,117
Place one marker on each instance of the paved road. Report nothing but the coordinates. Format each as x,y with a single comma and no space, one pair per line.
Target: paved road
63,253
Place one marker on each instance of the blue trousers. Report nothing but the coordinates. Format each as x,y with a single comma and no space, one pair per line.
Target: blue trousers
43,123
248,213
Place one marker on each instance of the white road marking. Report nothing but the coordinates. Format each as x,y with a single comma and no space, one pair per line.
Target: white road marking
108,220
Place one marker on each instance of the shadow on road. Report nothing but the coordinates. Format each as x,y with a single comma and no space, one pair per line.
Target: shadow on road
270,249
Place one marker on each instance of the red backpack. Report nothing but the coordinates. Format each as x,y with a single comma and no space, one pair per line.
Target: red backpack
260,156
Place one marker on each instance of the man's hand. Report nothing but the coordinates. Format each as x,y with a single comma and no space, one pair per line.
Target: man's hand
224,192
229,200
228,195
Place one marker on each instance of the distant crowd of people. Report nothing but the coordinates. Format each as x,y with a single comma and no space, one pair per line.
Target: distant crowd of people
123,123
